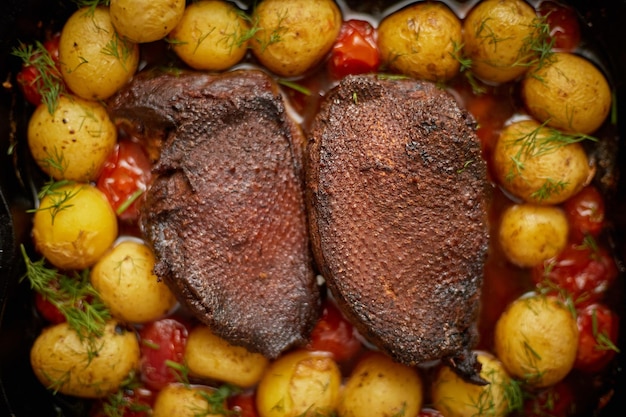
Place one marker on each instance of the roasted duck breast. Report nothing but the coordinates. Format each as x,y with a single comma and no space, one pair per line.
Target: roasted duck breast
225,214
397,193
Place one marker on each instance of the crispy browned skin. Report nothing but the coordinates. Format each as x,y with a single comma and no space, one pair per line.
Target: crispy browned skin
226,214
396,188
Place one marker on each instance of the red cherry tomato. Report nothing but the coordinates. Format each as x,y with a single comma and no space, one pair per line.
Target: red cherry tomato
162,345
563,23
355,51
333,333
554,401
124,177
585,212
48,310
583,272
30,78
243,404
597,337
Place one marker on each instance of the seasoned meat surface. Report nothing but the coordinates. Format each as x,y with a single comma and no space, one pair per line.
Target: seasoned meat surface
397,193
226,215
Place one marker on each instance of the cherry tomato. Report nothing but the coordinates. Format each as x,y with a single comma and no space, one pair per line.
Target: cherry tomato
563,23
162,345
355,51
30,78
243,404
585,212
583,272
554,401
135,402
597,337
333,333
124,177
48,310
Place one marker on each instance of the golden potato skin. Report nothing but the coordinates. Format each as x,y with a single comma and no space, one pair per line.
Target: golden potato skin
211,35
536,339
63,362
455,397
378,386
422,41
179,400
568,93
294,35
529,233
538,164
74,226
145,20
300,383
124,279
496,37
95,60
209,356
74,142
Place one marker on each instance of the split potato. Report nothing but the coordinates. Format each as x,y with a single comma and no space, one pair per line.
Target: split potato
540,164
529,234
84,367
378,386
568,93
209,356
536,339
143,21
74,142
498,35
95,60
124,279
422,40
294,35
455,397
211,35
74,226
299,384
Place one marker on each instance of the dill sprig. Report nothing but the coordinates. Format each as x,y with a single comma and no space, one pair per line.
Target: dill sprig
538,47
49,81
73,296
216,401
118,403
466,67
60,198
540,141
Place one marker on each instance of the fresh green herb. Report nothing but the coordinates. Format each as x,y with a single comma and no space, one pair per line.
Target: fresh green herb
59,198
466,68
118,403
129,201
537,49
181,371
73,296
216,401
119,49
49,79
603,341
295,86
275,36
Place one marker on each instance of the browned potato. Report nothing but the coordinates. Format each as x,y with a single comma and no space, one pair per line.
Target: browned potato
95,60
180,400
378,386
497,36
536,339
422,40
540,164
67,363
294,35
569,93
455,397
211,35
299,384
73,142
209,356
145,20
126,283
529,234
